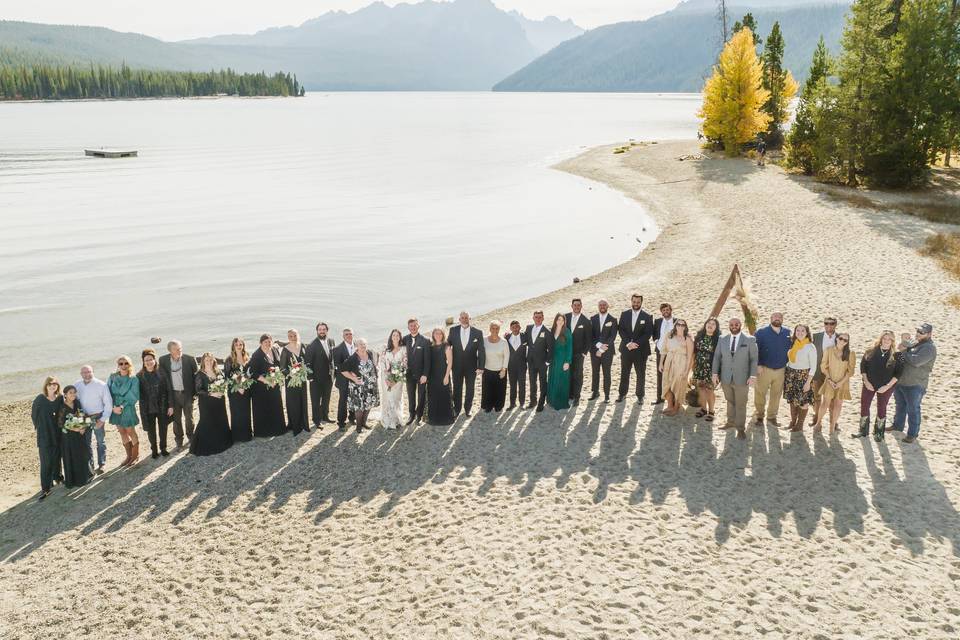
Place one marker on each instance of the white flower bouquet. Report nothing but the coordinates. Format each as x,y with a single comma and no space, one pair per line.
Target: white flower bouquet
76,423
219,385
239,381
299,372
273,377
397,372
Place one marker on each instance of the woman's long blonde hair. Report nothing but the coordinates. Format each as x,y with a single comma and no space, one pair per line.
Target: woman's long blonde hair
203,361
875,349
244,356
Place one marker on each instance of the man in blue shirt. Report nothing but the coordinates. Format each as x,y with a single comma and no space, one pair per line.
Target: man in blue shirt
773,343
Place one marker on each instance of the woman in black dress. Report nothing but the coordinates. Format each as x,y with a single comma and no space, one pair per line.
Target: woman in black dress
212,434
241,419
439,398
44,416
74,450
154,402
293,353
267,398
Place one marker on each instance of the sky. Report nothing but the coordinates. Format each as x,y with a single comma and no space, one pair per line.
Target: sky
182,19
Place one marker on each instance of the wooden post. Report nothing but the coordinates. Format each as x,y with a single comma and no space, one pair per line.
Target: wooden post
732,281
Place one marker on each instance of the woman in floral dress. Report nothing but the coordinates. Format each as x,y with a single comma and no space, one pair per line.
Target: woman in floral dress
394,358
361,372
704,346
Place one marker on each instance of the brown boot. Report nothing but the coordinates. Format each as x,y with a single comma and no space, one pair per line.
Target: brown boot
134,453
801,416
128,447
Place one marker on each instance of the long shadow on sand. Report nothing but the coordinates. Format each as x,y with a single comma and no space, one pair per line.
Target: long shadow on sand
771,474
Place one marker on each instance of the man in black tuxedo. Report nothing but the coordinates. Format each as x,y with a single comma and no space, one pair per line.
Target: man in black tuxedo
603,331
340,354
662,327
539,352
636,329
468,360
320,360
418,369
579,326
180,370
517,365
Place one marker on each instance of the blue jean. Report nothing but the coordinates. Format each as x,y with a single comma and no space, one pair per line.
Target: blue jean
101,445
908,408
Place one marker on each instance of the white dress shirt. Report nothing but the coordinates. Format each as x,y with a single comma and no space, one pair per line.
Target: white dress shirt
666,326
634,315
514,341
464,336
603,320
828,341
534,332
94,397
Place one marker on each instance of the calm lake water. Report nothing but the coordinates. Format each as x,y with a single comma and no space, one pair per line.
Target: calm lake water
244,216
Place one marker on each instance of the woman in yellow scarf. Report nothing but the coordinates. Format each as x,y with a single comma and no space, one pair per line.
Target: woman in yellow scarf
801,367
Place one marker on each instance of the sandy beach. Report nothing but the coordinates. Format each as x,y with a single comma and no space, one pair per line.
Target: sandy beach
608,521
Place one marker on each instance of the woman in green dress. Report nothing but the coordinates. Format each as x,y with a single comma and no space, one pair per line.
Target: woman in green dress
125,389
558,379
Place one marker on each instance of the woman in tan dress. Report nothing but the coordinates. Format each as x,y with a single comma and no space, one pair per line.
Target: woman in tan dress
676,363
838,365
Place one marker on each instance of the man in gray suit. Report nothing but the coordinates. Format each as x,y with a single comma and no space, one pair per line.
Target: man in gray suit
735,369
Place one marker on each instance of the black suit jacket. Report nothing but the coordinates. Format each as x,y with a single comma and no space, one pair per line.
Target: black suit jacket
539,351
582,333
189,373
641,333
518,356
418,356
317,359
607,334
340,354
471,358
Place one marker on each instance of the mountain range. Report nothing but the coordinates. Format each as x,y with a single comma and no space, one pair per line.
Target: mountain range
456,45
676,50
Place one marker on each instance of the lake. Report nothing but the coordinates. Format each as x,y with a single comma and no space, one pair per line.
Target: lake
244,216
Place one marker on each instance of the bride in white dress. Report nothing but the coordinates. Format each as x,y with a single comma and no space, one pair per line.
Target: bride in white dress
391,393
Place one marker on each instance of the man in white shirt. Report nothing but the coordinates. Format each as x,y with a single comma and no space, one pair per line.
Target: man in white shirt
96,403
340,354
320,360
539,353
662,327
603,332
468,361
517,365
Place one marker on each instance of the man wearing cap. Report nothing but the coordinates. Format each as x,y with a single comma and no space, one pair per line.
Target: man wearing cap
822,340
918,356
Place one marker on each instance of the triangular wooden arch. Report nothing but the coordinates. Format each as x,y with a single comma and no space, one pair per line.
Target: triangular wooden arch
740,293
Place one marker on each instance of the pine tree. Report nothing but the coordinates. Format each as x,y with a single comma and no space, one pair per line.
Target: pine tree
781,85
805,135
748,22
733,97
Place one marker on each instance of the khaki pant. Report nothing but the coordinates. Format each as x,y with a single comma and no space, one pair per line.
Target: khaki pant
736,395
770,381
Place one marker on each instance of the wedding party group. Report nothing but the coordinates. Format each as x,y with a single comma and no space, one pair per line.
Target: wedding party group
286,386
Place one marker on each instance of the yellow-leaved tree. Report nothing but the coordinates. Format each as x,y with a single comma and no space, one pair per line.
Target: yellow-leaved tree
733,96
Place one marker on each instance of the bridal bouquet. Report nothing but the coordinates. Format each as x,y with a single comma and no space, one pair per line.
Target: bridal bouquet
219,385
397,372
298,374
240,381
76,423
273,377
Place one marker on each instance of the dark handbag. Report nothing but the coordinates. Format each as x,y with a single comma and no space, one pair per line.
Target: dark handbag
693,398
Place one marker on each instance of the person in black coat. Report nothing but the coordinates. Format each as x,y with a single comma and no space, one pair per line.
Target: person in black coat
517,365
43,413
539,353
154,403
320,361
241,409
294,353
582,332
180,370
603,332
468,361
418,370
267,400
213,428
636,330
340,354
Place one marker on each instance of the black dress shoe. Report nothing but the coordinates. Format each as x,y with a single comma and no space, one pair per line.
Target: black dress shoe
539,408
655,401
513,405
575,401
593,396
164,453
531,406
466,413
154,455
620,398
606,398
341,427
909,439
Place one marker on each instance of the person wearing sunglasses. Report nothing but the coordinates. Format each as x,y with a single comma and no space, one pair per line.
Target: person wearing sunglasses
822,340
918,357
125,390
838,366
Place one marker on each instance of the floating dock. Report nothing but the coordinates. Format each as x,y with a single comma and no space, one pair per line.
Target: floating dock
111,153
